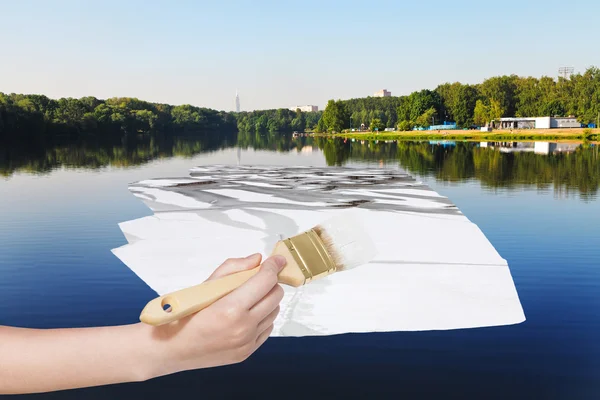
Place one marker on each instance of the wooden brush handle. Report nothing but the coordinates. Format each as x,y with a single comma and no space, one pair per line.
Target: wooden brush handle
193,299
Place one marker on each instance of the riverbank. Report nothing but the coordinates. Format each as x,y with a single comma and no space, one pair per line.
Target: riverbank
580,134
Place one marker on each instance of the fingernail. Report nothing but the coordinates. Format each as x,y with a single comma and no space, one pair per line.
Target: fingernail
280,261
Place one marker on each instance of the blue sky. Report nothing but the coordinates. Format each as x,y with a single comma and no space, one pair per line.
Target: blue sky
283,53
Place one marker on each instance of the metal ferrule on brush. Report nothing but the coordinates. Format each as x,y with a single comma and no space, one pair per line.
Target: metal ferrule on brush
311,255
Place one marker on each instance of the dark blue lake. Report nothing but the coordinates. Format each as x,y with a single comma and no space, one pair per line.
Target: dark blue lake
59,211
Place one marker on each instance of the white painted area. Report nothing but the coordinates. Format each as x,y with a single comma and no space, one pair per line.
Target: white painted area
412,202
260,197
167,265
428,193
245,217
179,216
432,270
167,182
171,198
381,194
257,184
408,297
160,228
372,297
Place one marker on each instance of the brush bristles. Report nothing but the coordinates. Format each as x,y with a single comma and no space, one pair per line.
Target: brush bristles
347,241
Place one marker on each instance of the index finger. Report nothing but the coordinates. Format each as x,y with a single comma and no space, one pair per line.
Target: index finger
259,285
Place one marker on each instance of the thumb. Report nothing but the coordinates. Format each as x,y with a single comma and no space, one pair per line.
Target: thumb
233,265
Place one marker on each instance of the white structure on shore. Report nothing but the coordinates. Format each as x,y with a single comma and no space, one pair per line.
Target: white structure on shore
382,93
536,123
307,108
237,101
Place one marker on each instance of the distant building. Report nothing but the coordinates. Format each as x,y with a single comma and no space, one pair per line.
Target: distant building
237,102
305,108
382,93
536,123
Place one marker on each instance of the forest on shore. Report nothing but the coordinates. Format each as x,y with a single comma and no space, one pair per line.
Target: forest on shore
34,117
472,105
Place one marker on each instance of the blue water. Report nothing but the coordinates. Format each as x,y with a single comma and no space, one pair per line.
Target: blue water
56,270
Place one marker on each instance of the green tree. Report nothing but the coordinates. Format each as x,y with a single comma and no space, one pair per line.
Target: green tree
586,94
496,110
464,105
404,126
273,126
145,120
421,102
481,114
427,118
321,127
261,124
501,89
335,118
553,108
299,122
377,125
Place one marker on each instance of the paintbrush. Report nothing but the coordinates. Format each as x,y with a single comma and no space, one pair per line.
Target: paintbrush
338,244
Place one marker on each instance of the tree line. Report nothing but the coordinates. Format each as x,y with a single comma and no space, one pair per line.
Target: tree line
277,121
472,105
37,117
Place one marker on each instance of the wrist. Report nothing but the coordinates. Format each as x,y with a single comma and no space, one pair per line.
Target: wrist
152,353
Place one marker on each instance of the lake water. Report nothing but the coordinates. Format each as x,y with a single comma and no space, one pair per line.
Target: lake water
59,210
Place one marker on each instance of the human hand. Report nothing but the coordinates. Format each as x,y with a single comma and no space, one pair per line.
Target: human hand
226,332
229,330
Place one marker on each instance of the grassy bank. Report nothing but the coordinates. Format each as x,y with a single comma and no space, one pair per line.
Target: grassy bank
494,136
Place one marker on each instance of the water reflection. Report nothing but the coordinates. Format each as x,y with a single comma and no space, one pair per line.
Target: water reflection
570,167
573,167
40,157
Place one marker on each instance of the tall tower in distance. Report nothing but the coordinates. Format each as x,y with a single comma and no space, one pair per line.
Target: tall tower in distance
237,101
565,71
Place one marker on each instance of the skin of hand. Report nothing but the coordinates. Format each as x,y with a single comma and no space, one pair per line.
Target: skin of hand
231,329
227,332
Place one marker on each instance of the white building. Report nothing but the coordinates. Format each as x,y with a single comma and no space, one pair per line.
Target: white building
307,108
237,102
382,93
536,123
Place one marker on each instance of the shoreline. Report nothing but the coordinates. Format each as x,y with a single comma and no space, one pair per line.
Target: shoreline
473,135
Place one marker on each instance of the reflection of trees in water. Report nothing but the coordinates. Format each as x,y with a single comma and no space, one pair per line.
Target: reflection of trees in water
336,152
579,170
95,153
273,141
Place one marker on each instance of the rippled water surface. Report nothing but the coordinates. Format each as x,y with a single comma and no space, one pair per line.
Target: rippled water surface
58,223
